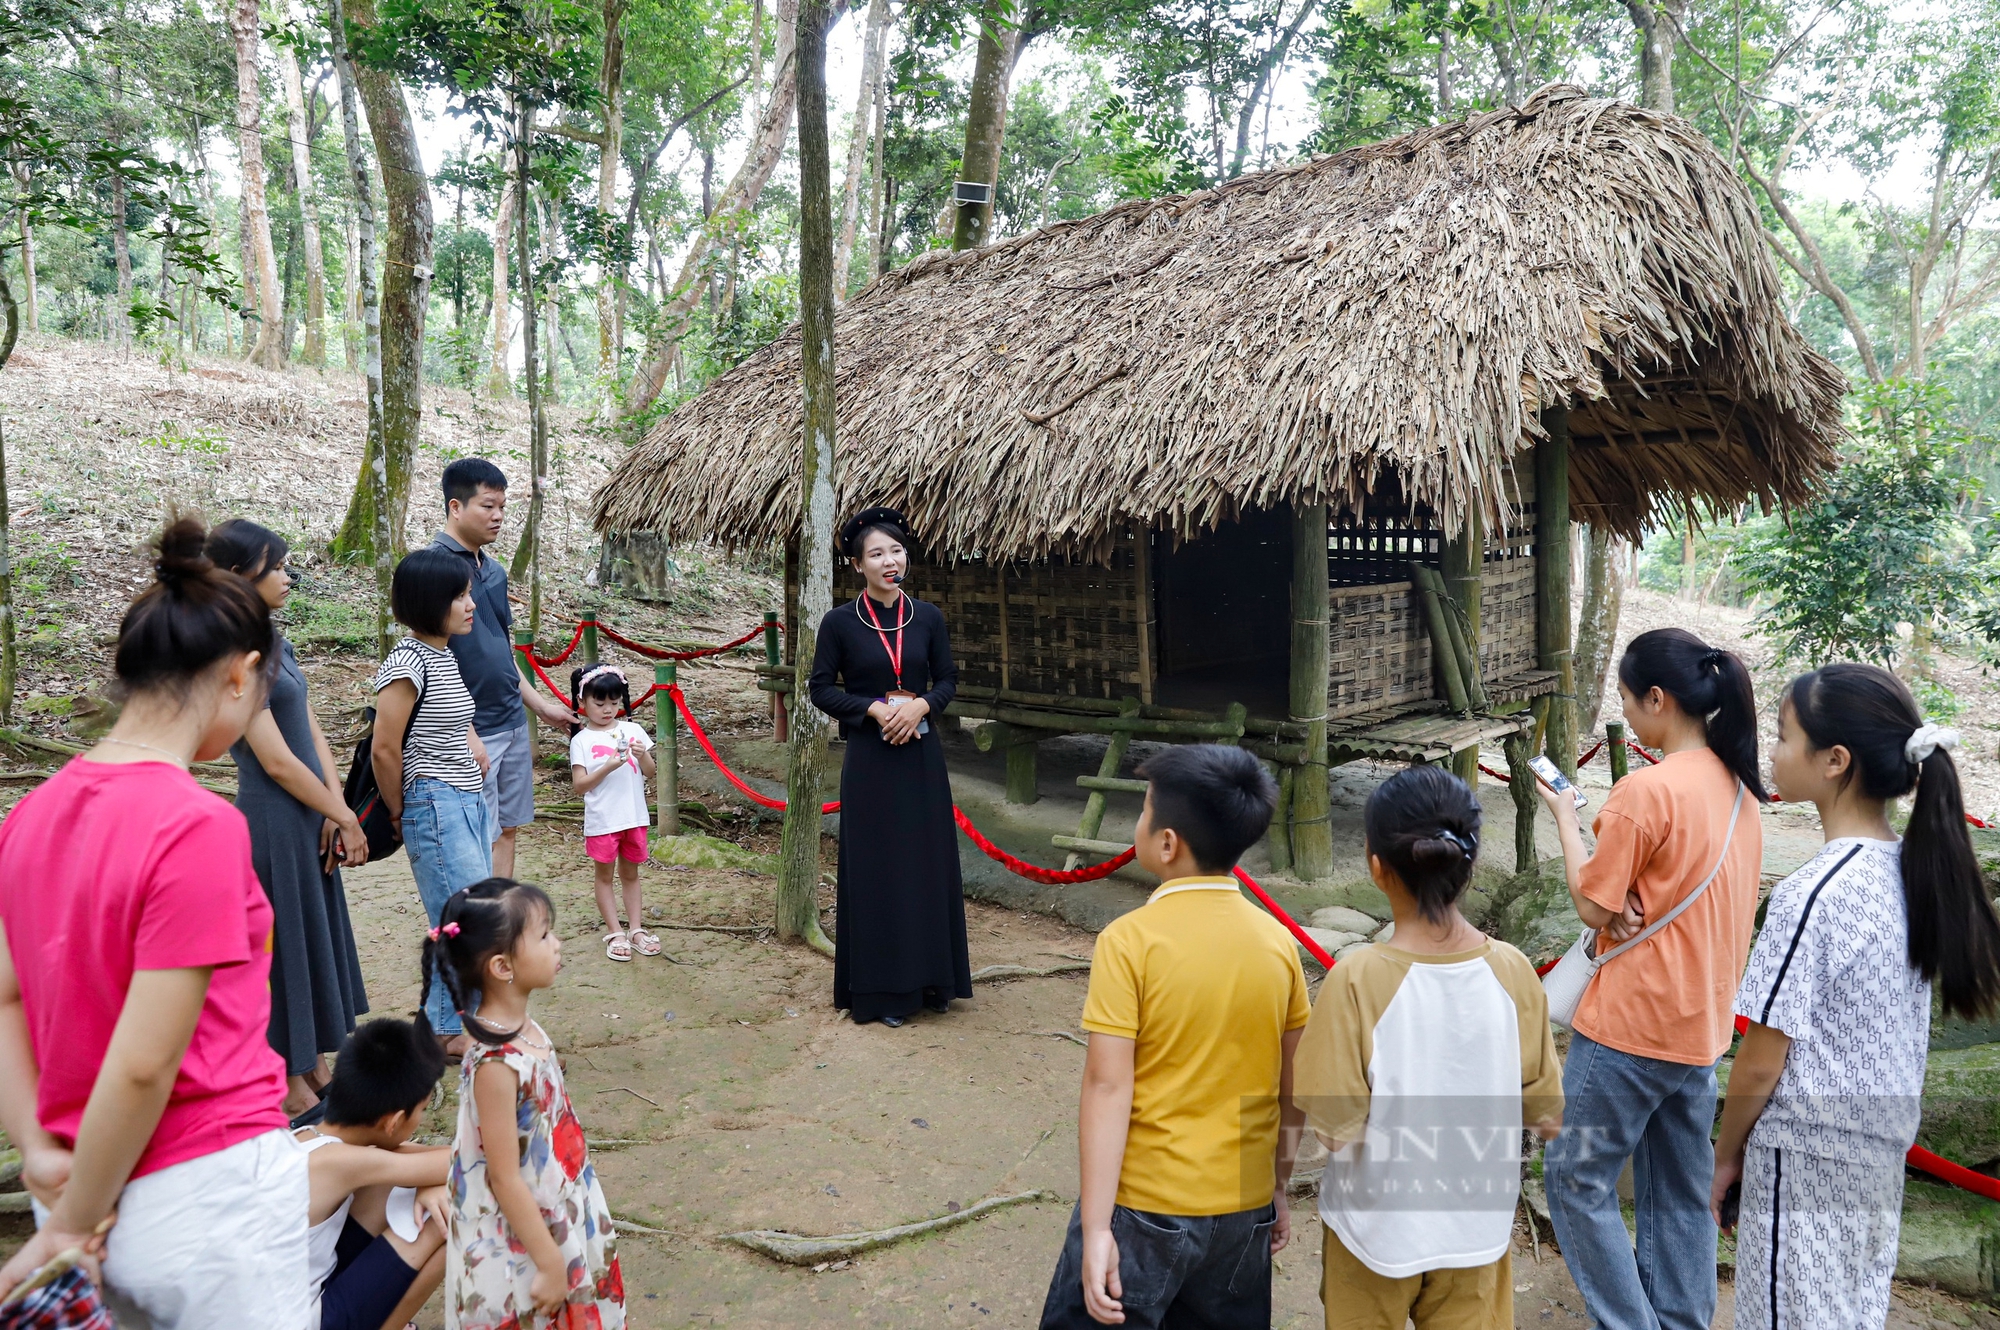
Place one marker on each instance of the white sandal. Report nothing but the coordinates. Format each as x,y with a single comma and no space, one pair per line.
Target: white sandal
646,944
616,947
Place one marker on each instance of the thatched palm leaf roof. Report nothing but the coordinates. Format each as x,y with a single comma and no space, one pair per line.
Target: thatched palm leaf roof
1399,310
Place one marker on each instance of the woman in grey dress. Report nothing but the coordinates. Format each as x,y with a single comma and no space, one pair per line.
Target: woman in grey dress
301,831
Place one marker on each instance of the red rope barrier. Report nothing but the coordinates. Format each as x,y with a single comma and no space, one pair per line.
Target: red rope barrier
553,661
655,653
1592,753
554,688
1049,876
701,737
1278,912
1651,761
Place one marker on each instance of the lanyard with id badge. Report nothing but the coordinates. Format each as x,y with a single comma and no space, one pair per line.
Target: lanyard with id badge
899,694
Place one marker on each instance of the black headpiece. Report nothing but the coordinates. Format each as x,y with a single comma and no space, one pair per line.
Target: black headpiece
850,532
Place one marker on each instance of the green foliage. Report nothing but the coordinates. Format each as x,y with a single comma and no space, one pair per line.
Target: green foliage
1887,546
175,439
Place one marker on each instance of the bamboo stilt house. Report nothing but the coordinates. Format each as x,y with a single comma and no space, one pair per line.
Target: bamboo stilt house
1295,457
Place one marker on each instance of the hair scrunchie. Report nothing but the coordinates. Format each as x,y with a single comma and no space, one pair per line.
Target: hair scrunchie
1712,658
1927,739
446,930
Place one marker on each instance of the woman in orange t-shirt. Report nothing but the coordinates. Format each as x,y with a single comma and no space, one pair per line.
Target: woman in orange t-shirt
1639,1080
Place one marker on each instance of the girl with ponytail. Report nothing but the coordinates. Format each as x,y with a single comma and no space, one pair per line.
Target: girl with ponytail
495,944
1639,1082
135,966
1826,1092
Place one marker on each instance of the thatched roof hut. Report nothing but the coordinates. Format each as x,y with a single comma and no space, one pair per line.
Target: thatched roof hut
1144,451
1403,309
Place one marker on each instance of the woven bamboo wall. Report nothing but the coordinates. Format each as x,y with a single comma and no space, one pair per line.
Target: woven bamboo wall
1072,628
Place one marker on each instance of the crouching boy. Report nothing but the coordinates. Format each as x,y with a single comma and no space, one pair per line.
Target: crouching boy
368,1276
1186,1130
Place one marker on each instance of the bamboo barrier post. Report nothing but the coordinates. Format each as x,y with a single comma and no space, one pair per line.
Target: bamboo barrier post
1017,743
1621,760
1278,841
525,638
1553,637
1522,787
780,718
1310,685
1093,806
590,656
1465,584
666,749
1443,649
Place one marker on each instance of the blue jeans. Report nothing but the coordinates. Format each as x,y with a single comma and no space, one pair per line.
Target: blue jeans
1659,1115
449,836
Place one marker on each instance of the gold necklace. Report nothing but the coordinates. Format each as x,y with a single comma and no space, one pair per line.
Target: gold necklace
178,760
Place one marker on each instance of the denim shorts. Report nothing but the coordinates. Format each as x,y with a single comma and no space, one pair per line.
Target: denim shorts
1206,1270
449,836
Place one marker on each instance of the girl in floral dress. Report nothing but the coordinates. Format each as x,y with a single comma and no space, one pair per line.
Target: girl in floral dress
531,1240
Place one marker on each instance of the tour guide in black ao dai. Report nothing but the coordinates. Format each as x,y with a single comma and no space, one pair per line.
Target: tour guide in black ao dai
900,907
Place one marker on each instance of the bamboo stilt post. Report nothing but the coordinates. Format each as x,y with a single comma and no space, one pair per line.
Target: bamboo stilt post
1006,653
1142,573
590,656
779,728
1614,742
1312,811
666,750
1443,649
1278,841
1093,805
1465,583
1522,787
1022,787
1552,576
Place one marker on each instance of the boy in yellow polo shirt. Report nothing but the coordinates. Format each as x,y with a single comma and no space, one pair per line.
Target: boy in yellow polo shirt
1187,1131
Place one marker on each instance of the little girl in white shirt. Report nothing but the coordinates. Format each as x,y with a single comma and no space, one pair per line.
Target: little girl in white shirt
611,759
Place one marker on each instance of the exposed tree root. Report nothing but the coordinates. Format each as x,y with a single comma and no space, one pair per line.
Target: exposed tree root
989,973
800,1249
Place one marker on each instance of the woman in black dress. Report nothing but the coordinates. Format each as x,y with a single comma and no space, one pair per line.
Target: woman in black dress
900,907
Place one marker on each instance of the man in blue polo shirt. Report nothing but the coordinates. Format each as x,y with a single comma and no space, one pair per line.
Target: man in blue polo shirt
475,503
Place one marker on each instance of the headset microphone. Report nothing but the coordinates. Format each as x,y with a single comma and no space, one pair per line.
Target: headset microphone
895,579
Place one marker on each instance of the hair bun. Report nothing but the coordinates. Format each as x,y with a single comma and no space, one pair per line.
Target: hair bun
1435,852
182,555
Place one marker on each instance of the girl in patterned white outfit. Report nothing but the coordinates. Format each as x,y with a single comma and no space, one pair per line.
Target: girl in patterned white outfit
531,1239
1826,1093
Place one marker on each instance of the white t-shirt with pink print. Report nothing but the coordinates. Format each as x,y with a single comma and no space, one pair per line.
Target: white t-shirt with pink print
618,802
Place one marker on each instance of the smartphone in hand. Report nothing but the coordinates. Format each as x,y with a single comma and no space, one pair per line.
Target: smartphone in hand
1732,1205
1551,775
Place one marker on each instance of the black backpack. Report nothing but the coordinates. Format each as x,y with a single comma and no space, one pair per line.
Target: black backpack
364,795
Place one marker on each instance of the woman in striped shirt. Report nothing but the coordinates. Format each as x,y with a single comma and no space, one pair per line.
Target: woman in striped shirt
433,775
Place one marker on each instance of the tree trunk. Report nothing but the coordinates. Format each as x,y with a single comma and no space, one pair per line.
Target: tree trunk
875,266
269,348
1553,633
9,664
1656,21
798,866
315,256
873,41
528,554
30,297
361,274
351,316
121,253
986,120
498,384
611,78
766,150
406,274
1597,627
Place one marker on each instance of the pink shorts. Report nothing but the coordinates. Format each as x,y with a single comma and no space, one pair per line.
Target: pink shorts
629,845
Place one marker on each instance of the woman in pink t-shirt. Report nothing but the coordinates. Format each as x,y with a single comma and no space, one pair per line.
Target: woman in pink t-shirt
134,984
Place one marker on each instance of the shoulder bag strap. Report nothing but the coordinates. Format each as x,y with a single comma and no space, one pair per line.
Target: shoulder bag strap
423,684
1734,813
